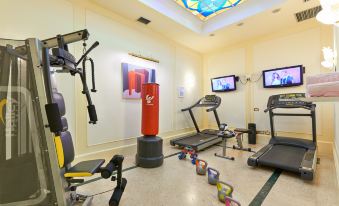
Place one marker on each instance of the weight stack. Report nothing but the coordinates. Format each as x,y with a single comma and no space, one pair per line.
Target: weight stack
252,135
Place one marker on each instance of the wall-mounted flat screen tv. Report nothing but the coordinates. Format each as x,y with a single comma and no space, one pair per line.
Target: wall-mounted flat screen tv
283,77
224,84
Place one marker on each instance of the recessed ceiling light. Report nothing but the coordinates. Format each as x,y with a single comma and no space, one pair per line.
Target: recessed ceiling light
240,24
276,11
212,34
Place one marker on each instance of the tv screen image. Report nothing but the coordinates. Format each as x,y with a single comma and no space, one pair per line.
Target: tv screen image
283,77
223,84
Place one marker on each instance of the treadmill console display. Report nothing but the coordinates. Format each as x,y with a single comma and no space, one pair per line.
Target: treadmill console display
291,100
209,100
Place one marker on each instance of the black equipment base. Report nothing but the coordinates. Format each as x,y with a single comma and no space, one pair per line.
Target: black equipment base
149,152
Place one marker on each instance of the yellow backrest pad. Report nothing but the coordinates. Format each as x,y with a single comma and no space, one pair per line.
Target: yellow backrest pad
59,151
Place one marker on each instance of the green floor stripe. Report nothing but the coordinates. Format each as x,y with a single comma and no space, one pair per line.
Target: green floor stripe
261,196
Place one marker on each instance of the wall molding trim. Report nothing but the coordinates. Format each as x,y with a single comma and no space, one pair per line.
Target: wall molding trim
324,148
132,143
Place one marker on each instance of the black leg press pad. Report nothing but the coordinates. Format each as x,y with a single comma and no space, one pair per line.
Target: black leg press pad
90,166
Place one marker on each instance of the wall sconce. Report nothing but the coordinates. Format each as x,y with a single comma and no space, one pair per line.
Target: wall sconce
329,57
329,13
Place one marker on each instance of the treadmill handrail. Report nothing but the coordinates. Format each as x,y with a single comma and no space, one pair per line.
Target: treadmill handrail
207,110
194,105
215,107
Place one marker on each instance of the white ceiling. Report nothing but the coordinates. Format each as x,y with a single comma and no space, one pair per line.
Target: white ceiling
190,30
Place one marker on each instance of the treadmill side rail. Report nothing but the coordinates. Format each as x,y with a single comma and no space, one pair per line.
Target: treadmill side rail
308,165
210,143
197,141
173,142
253,160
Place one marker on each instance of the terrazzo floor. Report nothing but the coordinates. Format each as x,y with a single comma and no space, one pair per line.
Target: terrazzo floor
177,184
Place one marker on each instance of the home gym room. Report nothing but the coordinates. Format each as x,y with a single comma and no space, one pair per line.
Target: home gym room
169,102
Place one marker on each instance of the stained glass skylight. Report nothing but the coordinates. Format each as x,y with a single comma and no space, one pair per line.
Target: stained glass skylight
206,9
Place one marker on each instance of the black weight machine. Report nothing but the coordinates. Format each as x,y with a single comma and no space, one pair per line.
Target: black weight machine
27,71
62,58
115,165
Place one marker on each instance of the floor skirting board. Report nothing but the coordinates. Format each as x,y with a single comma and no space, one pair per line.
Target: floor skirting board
131,145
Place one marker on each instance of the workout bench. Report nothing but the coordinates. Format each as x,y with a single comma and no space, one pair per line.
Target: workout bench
239,133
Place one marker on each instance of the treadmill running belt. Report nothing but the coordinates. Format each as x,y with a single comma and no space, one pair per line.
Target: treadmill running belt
283,157
197,139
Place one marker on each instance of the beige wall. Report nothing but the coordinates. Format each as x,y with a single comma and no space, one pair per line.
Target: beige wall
41,19
119,119
300,45
233,108
336,142
336,122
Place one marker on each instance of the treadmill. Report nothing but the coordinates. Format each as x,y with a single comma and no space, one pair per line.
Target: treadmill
286,153
207,137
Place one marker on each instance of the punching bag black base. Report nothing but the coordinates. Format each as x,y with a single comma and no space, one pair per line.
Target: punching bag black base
149,152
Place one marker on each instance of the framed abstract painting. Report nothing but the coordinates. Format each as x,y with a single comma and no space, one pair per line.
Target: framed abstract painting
133,77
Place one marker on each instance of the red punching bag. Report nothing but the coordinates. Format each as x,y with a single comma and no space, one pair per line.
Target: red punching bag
150,109
149,147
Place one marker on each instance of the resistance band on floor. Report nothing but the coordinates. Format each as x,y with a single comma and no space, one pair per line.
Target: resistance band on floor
261,196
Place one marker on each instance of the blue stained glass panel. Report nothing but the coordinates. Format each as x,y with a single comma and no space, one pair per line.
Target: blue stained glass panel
204,9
